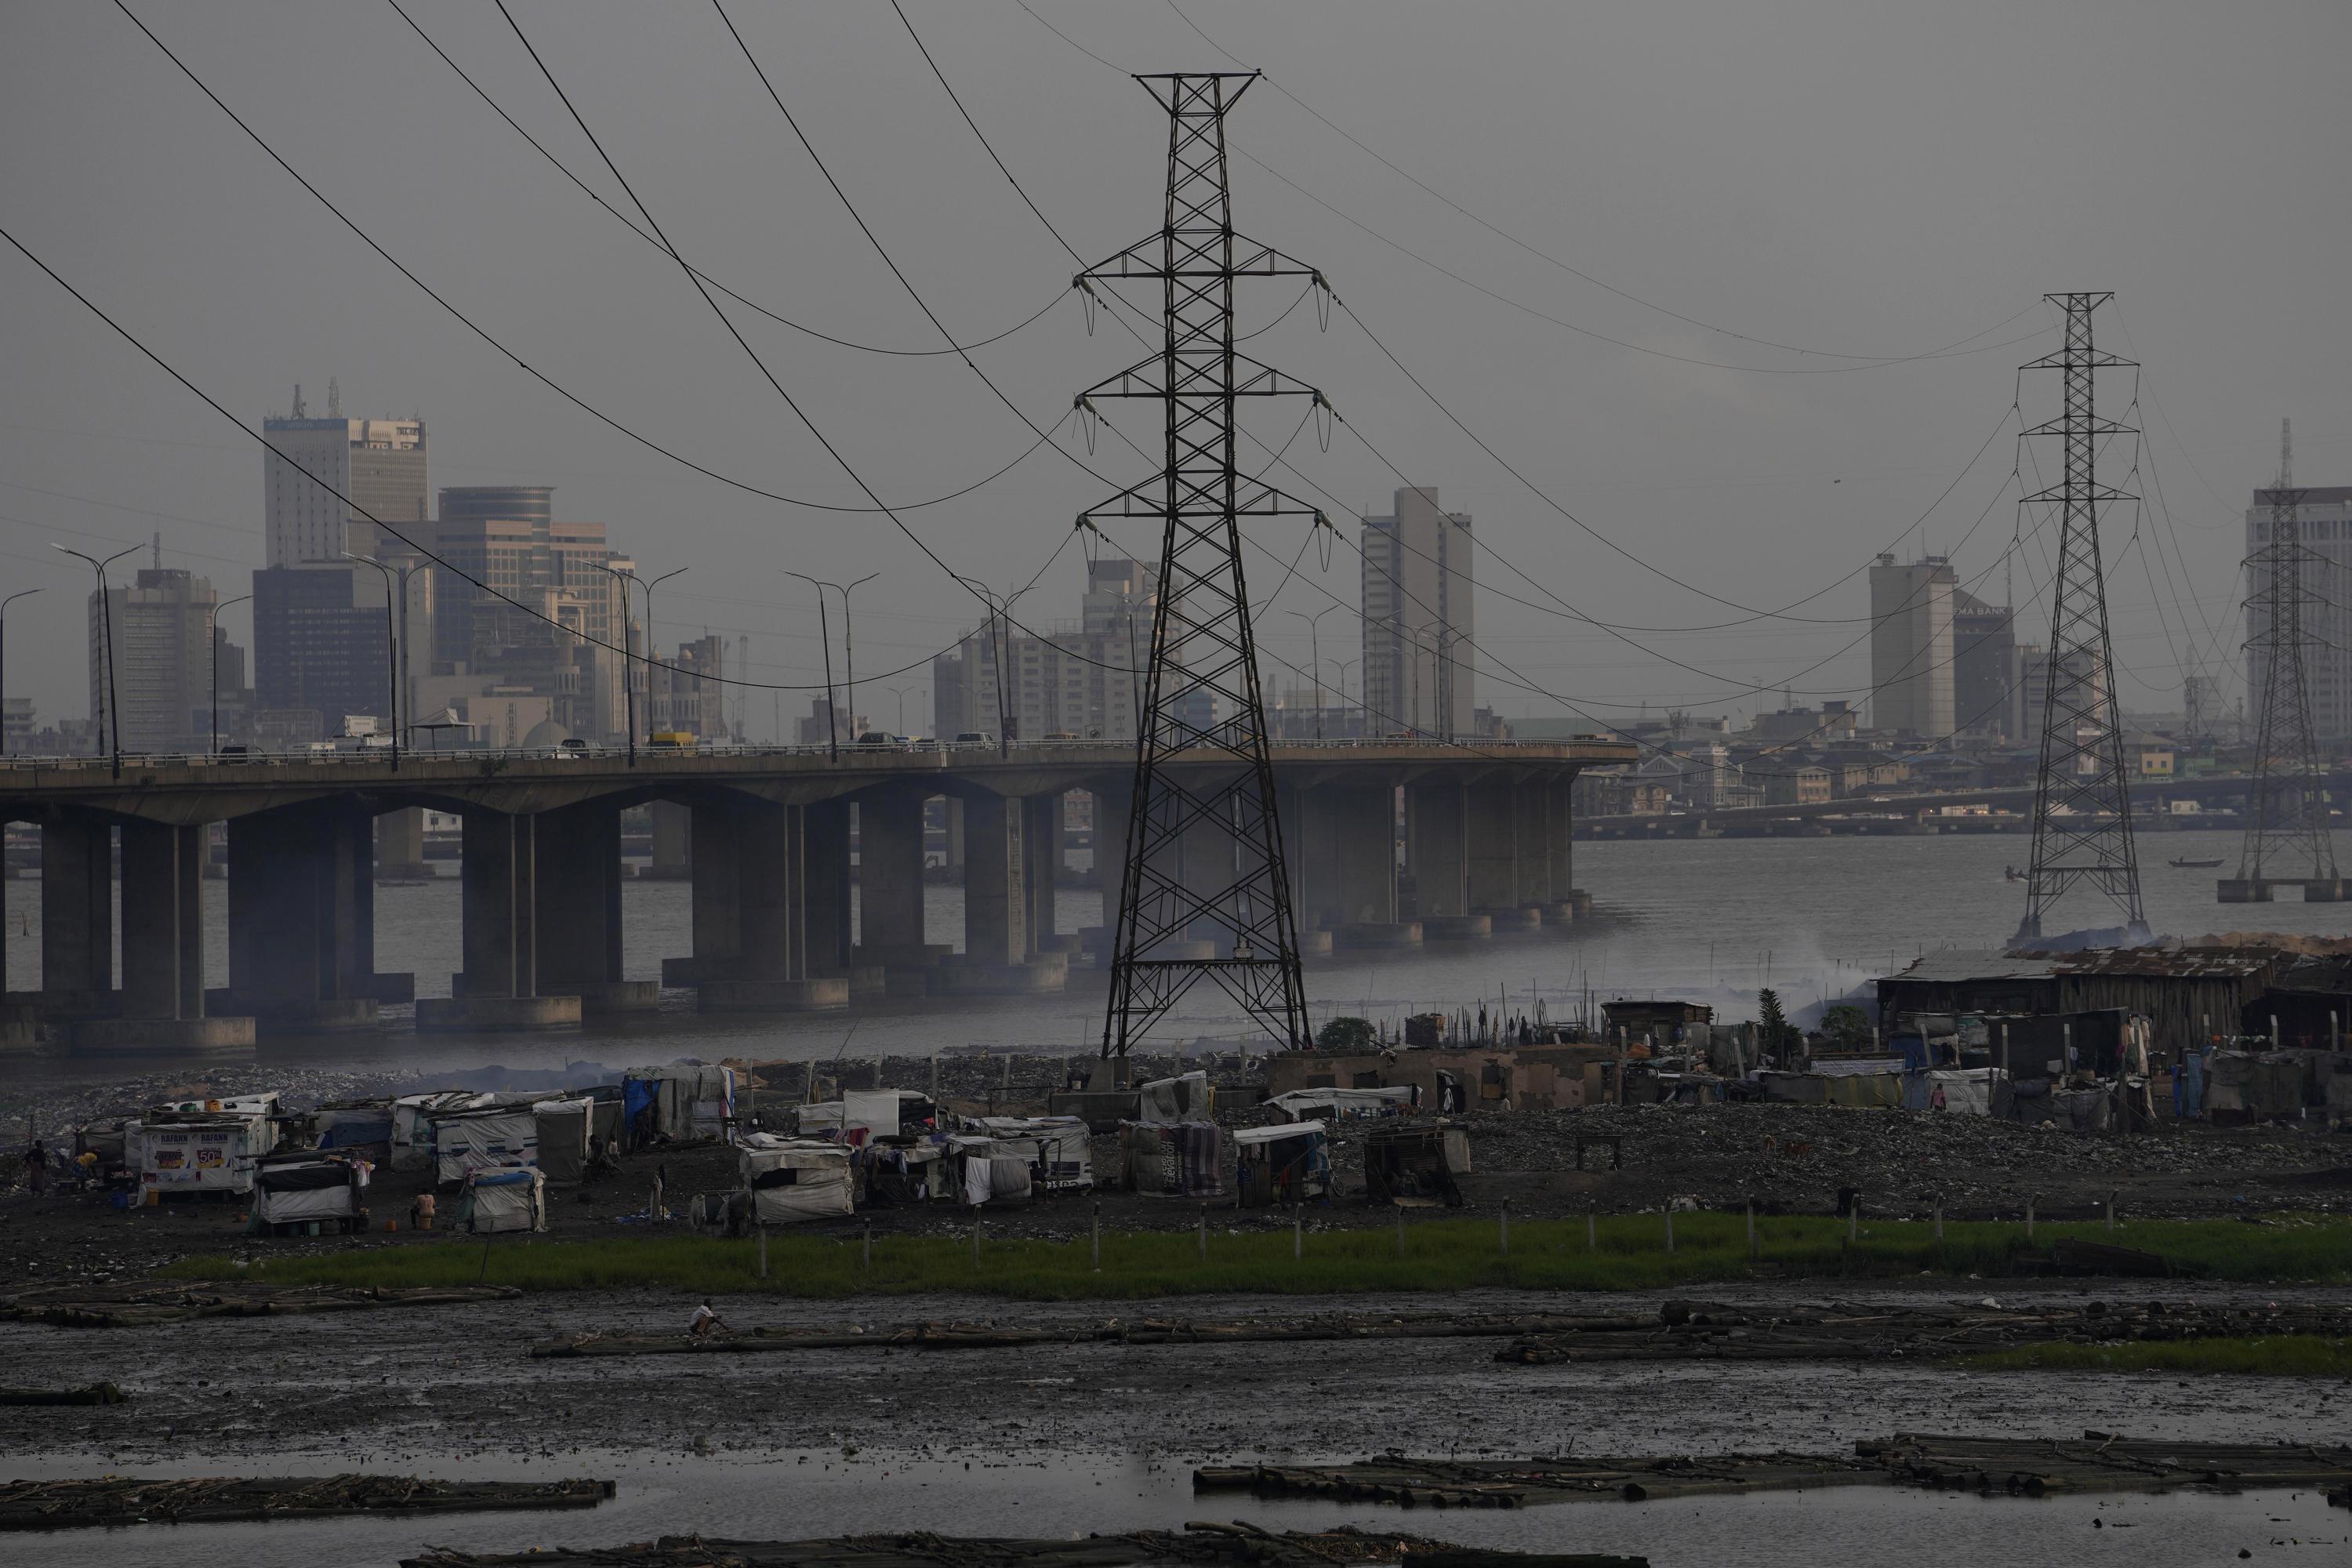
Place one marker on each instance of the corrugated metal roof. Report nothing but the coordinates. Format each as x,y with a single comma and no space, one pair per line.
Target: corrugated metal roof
1956,965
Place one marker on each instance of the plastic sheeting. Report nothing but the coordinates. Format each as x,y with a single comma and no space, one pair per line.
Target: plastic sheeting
1282,1165
506,1200
1178,1160
206,1151
506,1135
562,1128
1301,1103
1059,1148
1170,1100
793,1179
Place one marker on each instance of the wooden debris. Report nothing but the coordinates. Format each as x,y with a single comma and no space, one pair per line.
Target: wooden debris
128,1499
140,1302
88,1394
2096,1462
1195,1543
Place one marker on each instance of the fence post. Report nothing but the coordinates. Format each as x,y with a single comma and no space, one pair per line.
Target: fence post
868,1261
1097,1236
975,1236
1205,1233
1670,1225
2029,1214
763,1251
1298,1232
1399,1219
2111,1210
1592,1230
1751,1230
1507,1226
1854,1219
1939,1219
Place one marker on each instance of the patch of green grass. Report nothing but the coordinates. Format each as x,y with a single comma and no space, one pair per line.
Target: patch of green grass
1439,1255
2278,1355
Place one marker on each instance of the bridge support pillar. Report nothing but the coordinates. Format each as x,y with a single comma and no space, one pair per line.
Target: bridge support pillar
1559,851
162,954
890,879
953,815
824,888
1042,836
751,929
1437,849
576,911
499,989
1491,833
301,921
997,907
400,847
76,912
1360,825
673,835
1110,798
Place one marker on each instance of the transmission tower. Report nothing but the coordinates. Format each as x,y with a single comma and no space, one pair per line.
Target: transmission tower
2081,804
2286,802
1205,858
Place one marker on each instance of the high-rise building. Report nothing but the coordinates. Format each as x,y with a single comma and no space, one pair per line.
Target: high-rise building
1911,674
317,647
1083,680
377,464
686,696
507,538
1984,667
162,659
2323,524
1418,619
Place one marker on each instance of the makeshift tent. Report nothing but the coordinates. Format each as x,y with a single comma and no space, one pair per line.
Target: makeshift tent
1178,1160
306,1188
1967,1091
198,1151
1871,1090
1416,1165
413,1117
1059,1148
561,1129
714,1103
1169,1100
884,1113
510,1198
982,1169
794,1179
479,1140
1302,1103
1286,1164
363,1124
689,1100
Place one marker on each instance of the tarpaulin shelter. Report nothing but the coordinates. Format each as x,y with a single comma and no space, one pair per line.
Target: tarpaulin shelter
1301,1104
200,1151
883,1112
414,1118
2245,1085
1173,1160
359,1124
981,1169
794,1179
1287,1164
1415,1165
468,1141
508,1198
686,1100
1060,1148
1967,1091
305,1189
561,1129
1169,1100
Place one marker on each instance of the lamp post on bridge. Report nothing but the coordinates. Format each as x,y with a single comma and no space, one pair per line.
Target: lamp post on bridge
107,698
848,646
1343,666
4,603
212,750
1314,657
390,644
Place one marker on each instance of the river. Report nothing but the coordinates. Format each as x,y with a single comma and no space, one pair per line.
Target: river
1713,920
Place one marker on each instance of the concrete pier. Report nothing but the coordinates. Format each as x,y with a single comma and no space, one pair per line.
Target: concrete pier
301,921
1437,849
890,878
999,957
576,912
673,834
400,847
163,1000
499,989
76,911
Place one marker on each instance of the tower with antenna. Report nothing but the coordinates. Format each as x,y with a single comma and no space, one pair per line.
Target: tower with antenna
2081,800
2287,837
1205,858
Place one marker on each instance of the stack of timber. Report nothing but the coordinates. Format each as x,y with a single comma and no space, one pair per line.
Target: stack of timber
2096,1462
1696,1330
138,1302
1195,1543
210,1500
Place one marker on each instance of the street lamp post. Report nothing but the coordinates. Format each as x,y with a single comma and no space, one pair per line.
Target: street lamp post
106,696
1343,666
652,658
900,693
1000,614
1314,658
391,645
4,660
213,750
824,634
628,676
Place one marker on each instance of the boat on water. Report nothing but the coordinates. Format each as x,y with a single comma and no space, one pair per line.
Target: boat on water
2188,865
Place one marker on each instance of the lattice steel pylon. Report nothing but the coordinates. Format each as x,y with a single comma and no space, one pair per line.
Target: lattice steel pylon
1204,855
2081,803
2287,803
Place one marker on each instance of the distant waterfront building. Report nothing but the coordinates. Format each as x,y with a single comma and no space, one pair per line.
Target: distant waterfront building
163,657
317,647
1984,667
2324,525
377,464
1911,660
1082,679
1419,619
15,724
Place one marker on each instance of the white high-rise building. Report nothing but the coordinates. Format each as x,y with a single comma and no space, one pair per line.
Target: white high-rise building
1911,654
163,629
378,464
2323,524
1419,619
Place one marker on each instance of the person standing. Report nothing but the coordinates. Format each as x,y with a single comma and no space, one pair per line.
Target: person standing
36,1168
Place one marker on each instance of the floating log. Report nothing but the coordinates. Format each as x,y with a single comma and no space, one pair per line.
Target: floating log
88,1394
128,1499
2096,1462
1195,1543
139,1303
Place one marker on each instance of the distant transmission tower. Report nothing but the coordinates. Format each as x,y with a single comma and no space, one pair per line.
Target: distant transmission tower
2287,803
1205,857
2081,804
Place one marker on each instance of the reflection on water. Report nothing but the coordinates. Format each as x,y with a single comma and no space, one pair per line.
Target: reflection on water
1038,1493
1812,916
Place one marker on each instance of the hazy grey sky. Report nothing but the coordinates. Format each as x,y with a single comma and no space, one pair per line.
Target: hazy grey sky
1868,179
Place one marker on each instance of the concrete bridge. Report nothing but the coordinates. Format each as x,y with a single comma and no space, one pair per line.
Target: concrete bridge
1488,842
